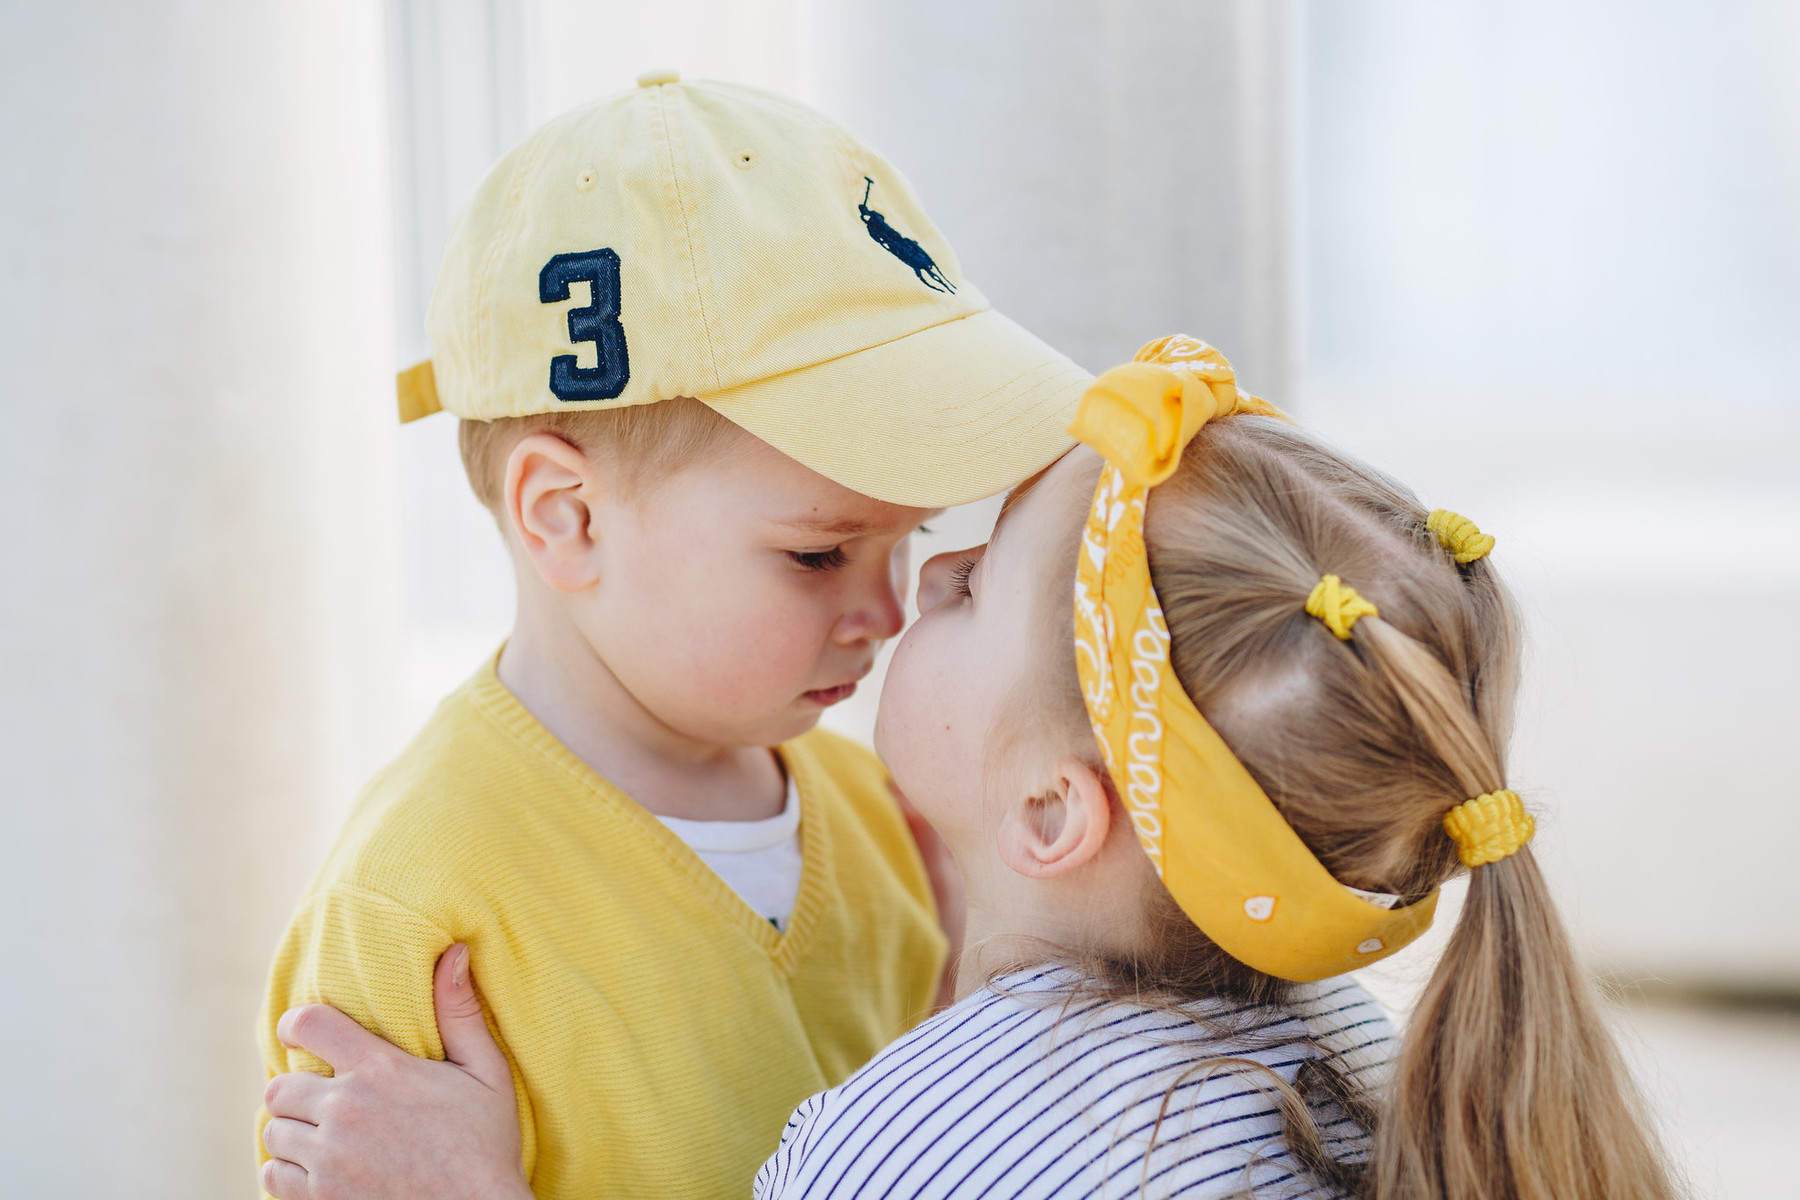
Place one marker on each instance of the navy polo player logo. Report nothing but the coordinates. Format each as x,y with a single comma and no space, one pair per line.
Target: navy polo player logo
901,246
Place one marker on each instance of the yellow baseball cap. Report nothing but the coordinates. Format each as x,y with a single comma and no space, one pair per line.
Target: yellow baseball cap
711,240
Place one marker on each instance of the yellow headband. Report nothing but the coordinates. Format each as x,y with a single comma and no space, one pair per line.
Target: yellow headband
1226,854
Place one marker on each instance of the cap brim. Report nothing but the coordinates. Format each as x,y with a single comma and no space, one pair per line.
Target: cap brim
943,416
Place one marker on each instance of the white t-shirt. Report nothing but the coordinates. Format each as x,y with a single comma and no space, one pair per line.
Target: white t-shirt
759,859
1007,1094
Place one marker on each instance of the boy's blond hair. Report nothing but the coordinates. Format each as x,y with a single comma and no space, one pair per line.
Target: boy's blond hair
641,443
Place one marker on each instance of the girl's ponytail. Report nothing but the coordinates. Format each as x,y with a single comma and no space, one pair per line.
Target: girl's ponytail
1366,719
1508,1086
1508,1083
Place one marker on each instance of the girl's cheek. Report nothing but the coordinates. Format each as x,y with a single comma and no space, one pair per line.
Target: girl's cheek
895,714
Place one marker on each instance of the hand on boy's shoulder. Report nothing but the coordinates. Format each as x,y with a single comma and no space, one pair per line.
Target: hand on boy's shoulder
365,954
410,872
370,954
388,1123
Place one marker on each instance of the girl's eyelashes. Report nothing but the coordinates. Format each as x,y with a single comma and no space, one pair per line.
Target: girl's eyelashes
820,560
959,576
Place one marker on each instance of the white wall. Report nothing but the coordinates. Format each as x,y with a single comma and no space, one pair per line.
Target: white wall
195,627
1553,281
1108,172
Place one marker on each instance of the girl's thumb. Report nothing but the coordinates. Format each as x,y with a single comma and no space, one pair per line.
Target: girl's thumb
461,1025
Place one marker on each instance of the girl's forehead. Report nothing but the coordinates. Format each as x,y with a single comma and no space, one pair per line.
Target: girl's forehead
1013,498
1067,476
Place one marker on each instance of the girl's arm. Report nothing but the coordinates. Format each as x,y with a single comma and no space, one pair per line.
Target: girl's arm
389,1124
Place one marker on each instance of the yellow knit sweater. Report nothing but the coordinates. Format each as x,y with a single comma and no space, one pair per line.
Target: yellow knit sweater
660,1030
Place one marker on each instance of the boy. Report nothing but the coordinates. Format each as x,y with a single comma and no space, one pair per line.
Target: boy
687,911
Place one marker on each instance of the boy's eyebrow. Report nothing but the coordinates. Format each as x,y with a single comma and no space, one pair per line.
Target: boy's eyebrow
833,526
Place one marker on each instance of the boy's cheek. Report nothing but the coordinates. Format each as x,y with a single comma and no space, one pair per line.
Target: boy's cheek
752,657
766,626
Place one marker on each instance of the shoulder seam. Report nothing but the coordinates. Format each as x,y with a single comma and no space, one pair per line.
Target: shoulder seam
340,888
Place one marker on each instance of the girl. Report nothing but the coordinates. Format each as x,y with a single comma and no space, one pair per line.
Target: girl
1240,765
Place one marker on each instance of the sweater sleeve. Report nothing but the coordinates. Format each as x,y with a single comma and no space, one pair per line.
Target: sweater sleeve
372,958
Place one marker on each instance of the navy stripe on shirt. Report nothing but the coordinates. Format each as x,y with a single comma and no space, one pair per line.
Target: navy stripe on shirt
1011,1094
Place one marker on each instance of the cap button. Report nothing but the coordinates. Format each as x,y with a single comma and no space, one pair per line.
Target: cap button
660,75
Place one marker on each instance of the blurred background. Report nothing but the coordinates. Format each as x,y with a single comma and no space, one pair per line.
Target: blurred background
1539,259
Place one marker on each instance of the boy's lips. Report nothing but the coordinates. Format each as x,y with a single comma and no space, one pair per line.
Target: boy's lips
831,695
838,693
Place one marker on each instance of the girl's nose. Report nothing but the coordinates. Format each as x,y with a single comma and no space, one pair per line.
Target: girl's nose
935,575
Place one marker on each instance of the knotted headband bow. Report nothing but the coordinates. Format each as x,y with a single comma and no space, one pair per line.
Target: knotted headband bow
1226,854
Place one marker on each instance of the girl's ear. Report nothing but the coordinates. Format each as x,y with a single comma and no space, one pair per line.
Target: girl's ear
1062,828
548,491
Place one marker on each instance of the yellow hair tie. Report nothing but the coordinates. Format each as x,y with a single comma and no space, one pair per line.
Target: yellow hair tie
1489,827
1457,534
1338,605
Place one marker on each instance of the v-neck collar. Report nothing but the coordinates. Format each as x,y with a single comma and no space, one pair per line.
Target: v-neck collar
784,948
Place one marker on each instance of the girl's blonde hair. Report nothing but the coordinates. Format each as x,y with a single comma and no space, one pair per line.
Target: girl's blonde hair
1508,1085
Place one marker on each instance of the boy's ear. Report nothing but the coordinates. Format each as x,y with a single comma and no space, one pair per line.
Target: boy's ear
549,490
1060,829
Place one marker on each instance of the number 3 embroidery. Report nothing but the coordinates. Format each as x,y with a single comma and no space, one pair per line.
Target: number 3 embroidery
597,321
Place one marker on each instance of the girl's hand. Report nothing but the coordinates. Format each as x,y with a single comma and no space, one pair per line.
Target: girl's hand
390,1125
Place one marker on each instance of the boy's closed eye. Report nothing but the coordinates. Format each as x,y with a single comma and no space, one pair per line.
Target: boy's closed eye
851,529
820,560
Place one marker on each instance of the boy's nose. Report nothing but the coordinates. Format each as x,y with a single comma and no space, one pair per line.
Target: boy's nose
880,611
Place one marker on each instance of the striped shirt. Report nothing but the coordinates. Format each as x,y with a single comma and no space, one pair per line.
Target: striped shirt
1017,1092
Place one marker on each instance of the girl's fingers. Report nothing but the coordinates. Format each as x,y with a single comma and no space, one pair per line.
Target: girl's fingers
462,1027
298,1094
326,1033
290,1140
285,1181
